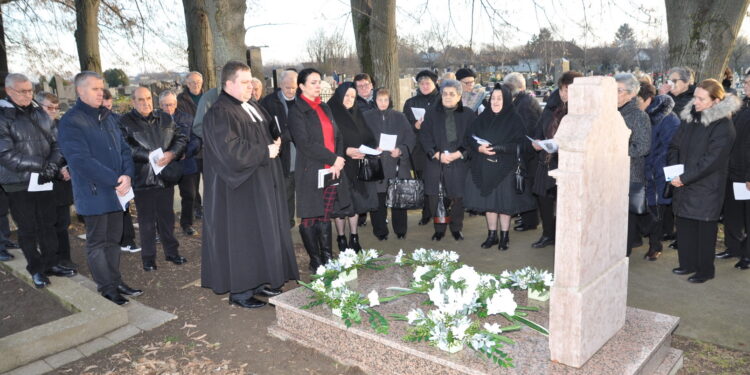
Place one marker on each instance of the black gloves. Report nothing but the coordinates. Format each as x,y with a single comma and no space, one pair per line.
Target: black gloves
49,173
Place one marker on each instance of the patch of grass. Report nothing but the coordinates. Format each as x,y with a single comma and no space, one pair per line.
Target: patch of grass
705,358
171,339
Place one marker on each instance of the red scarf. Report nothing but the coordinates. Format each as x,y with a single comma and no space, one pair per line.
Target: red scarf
325,123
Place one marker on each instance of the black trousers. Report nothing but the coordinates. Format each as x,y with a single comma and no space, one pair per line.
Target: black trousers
530,219
697,245
62,223
4,222
457,214
289,180
35,216
128,231
188,190
547,212
155,212
667,220
103,233
379,216
736,223
198,200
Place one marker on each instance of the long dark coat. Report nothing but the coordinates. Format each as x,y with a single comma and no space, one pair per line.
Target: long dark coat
246,238
433,138
312,155
391,121
703,143
425,102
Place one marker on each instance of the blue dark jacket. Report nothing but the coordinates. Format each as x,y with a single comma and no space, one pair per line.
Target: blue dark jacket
664,124
184,123
97,156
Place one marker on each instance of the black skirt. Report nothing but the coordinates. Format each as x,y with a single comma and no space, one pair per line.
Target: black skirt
502,199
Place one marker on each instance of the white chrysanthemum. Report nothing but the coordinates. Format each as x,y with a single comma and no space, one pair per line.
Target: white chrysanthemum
414,315
492,328
547,278
460,326
372,254
486,280
468,275
399,256
321,270
374,298
502,302
420,271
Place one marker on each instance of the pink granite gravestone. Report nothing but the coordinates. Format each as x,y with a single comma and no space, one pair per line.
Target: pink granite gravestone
588,300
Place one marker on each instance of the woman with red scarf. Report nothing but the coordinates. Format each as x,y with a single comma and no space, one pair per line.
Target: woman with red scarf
319,146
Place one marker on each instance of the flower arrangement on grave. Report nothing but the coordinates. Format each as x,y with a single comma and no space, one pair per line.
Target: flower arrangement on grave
456,290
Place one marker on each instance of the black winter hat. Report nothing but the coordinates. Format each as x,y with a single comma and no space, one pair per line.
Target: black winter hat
429,74
465,72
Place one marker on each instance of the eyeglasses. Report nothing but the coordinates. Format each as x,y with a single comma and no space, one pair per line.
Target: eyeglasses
364,85
23,92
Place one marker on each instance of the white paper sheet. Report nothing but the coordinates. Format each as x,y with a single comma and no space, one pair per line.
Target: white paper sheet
548,145
34,184
388,141
481,141
740,191
154,157
369,150
672,171
418,112
126,198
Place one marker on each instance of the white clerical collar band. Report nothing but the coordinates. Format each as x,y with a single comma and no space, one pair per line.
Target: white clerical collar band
252,112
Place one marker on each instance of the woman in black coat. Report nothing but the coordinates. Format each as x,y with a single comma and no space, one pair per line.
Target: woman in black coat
396,162
354,133
702,144
490,186
443,137
319,146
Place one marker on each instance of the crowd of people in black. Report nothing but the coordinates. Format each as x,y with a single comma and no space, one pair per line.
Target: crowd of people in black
264,160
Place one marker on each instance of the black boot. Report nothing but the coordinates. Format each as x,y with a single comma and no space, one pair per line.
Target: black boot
354,243
341,241
504,240
310,241
491,239
325,240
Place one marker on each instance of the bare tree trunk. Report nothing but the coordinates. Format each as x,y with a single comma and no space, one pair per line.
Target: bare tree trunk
200,42
227,21
87,35
3,56
702,33
375,33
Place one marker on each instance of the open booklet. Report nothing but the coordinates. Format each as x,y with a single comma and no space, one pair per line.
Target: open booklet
548,145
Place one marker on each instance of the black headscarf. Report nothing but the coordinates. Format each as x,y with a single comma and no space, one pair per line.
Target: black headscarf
352,125
504,128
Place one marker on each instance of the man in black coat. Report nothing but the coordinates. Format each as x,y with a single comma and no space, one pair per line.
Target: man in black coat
278,104
425,99
187,102
365,93
530,111
147,131
28,151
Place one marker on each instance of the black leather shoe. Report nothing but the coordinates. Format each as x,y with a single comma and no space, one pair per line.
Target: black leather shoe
176,259
269,292
673,245
681,271
458,236
424,221
125,290
725,255
699,279
354,242
5,256
491,240
342,243
522,228
743,264
60,272
66,263
40,281
115,297
149,265
544,241
250,303
401,236
518,220
11,245
383,237
438,236
189,231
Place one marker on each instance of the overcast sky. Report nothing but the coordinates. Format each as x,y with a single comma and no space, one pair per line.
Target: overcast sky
284,26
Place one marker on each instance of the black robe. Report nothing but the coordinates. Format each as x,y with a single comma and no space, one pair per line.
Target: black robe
246,238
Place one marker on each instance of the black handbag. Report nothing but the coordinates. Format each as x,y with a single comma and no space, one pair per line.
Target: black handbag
637,198
405,193
520,182
370,169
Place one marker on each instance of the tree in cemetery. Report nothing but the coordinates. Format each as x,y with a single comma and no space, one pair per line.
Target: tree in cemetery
226,21
375,35
116,77
200,41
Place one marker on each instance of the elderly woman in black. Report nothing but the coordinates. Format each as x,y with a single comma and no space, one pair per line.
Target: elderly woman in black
396,162
355,133
320,145
443,137
702,144
490,186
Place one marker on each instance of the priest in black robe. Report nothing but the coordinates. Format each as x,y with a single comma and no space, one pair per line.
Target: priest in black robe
247,246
